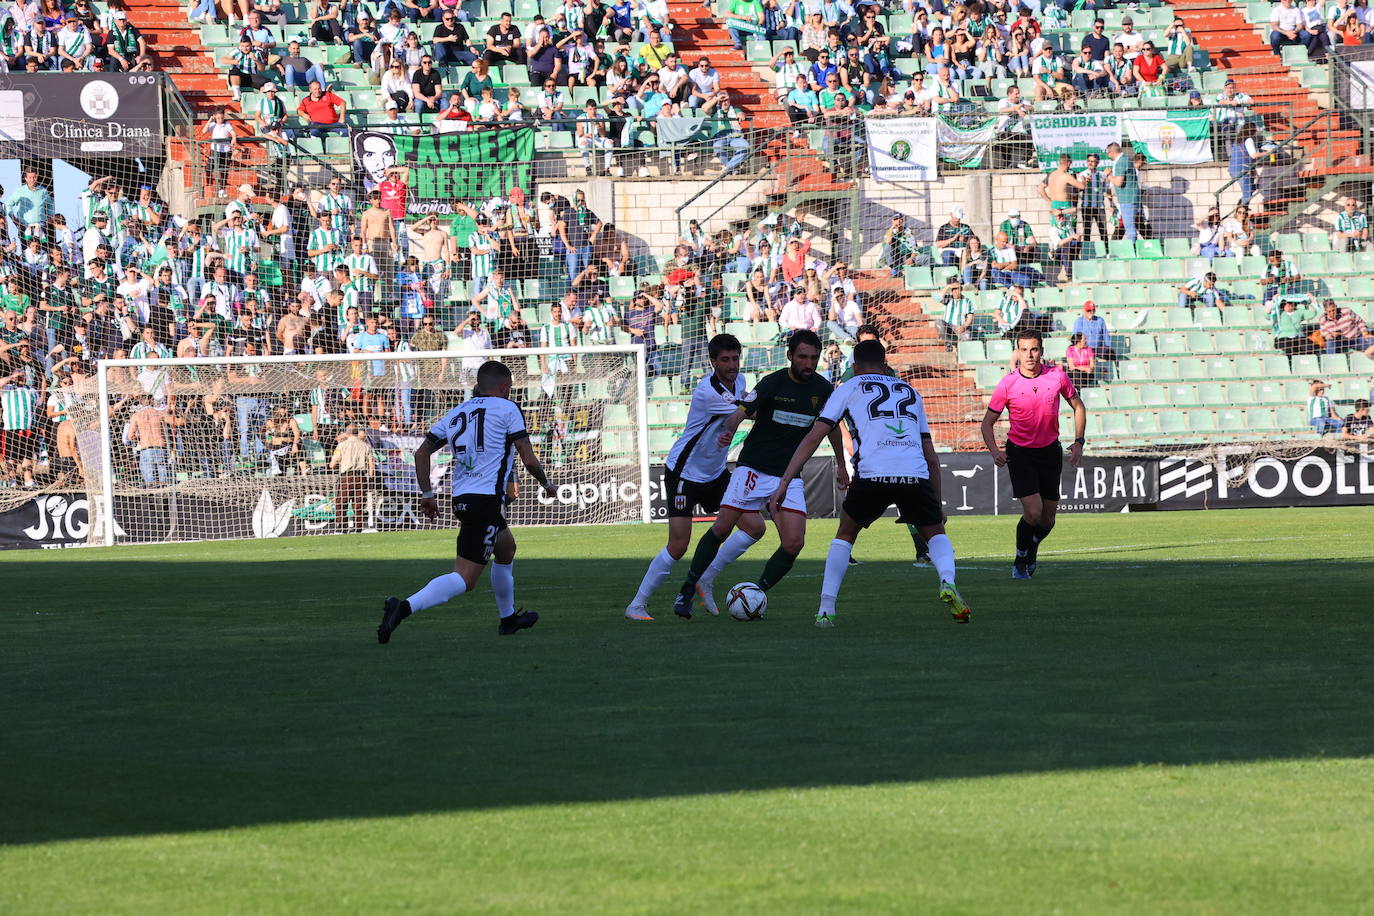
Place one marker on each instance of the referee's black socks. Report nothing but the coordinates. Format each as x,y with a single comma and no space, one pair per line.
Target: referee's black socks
1025,537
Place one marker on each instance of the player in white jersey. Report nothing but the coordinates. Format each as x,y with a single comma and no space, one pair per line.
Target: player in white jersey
694,474
894,463
484,434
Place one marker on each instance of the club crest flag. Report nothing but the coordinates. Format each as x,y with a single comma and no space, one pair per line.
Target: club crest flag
902,149
1171,137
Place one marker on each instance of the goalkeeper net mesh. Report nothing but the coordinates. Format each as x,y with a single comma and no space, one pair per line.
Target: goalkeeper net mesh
215,449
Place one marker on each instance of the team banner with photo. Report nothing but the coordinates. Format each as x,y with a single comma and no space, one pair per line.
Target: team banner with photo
962,146
1171,137
80,115
1078,133
467,165
902,149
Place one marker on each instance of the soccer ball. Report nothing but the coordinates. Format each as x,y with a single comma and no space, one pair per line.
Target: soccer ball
746,601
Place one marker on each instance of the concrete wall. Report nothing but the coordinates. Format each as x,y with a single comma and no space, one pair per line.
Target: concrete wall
1175,198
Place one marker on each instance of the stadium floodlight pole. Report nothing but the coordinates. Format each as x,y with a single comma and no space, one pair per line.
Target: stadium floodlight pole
102,376
642,421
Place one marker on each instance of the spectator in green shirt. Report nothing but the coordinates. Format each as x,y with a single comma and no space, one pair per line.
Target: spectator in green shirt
1021,235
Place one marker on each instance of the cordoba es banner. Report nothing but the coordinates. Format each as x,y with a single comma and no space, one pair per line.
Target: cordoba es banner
1077,133
902,149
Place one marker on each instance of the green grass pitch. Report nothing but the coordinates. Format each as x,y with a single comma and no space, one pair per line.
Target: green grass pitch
1174,716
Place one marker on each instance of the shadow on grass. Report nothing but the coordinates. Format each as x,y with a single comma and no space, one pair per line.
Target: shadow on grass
213,701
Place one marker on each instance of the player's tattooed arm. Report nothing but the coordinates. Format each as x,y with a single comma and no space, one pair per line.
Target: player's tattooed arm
531,462
990,438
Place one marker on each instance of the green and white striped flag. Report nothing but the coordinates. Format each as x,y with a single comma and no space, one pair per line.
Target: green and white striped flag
1172,137
961,145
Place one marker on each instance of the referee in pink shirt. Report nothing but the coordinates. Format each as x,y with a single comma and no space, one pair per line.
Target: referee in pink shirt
1034,459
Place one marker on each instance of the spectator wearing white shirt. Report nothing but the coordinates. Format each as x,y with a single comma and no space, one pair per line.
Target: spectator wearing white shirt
673,79
1129,38
705,83
1314,20
845,317
1288,27
799,314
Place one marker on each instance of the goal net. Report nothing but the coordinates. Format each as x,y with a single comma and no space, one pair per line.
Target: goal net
248,447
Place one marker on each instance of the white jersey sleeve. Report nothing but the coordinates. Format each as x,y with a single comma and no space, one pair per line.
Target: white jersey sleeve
481,434
888,423
696,456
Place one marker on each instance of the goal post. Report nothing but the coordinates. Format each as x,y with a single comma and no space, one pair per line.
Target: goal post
221,448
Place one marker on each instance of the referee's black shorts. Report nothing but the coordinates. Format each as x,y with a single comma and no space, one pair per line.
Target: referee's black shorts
480,520
914,498
684,495
1035,470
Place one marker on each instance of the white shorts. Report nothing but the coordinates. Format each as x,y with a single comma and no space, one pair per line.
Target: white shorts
749,491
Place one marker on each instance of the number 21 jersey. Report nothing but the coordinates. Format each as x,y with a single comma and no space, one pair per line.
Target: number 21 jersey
481,433
888,421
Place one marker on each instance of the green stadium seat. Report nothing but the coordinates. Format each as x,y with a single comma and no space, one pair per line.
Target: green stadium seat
1115,425
1116,270
1095,398
988,376
1177,343
1202,421
1182,393
1149,248
1334,364
622,287
1145,423
1217,394
1267,393
1154,395
1094,428
1163,369
1177,247
998,351
917,278
1050,299
1125,395
1290,418
1123,249
1226,268
1173,421
1142,344
1309,366
1088,271
1260,419
1107,295
971,351
1144,271
1191,368
1210,318
1316,241
1275,366
1340,262
1311,265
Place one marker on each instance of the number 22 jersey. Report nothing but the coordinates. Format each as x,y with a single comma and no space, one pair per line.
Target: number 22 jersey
481,433
888,421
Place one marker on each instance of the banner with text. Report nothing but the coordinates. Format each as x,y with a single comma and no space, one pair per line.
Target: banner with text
1077,133
468,165
1325,477
902,149
1171,137
80,115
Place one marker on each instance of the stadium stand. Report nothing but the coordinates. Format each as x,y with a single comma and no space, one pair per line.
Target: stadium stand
1180,374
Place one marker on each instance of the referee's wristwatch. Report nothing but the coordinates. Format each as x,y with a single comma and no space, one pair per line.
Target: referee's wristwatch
1080,441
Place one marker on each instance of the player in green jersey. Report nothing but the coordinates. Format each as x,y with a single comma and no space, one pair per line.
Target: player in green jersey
784,406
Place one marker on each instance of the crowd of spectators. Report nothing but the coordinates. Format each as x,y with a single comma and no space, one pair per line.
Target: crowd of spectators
70,38
445,80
